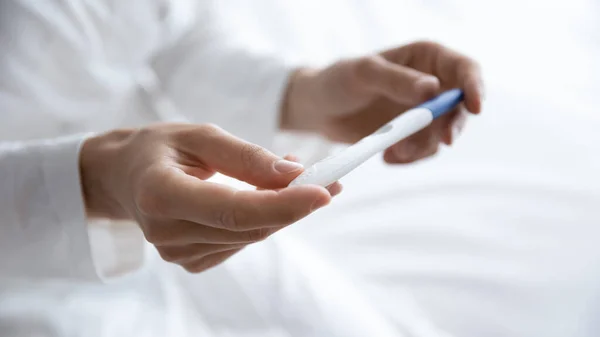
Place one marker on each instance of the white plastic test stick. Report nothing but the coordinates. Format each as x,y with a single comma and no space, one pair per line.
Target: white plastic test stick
333,168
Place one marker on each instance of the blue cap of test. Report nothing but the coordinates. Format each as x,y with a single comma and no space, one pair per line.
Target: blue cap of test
443,103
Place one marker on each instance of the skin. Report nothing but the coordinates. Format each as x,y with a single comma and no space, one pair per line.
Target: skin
352,98
157,175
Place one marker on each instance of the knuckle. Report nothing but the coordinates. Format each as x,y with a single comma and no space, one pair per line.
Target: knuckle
196,268
427,44
216,259
168,255
147,132
366,66
208,262
228,219
154,235
257,234
473,64
210,129
466,64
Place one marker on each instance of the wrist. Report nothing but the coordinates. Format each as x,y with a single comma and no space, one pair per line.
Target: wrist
300,105
98,165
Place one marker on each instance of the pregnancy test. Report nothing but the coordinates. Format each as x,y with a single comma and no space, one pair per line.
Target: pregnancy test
333,168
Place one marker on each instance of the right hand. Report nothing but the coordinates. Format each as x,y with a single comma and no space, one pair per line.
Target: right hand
354,97
156,176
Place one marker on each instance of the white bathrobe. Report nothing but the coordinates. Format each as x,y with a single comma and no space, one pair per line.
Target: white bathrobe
74,67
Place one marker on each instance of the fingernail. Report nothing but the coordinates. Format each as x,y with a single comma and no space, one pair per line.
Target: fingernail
286,166
320,202
426,86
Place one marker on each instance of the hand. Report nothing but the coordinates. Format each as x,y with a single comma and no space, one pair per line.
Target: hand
352,98
156,176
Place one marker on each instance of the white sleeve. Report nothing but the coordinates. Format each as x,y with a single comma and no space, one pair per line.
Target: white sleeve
211,79
43,227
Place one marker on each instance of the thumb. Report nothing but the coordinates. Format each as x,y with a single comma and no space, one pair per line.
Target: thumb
234,157
398,83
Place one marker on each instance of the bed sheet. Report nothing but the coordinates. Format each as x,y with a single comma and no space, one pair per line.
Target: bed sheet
496,236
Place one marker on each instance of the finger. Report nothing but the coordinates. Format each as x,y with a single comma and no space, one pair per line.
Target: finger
474,92
396,82
445,129
186,198
292,157
422,144
391,158
289,157
198,172
453,69
251,209
209,261
335,188
449,126
237,158
188,253
177,233
441,125
458,70
430,152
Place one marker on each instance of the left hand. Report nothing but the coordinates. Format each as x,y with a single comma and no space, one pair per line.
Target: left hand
352,98
157,176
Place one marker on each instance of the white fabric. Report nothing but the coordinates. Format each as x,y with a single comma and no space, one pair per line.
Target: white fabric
498,236
91,66
43,218
41,212
111,72
495,238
